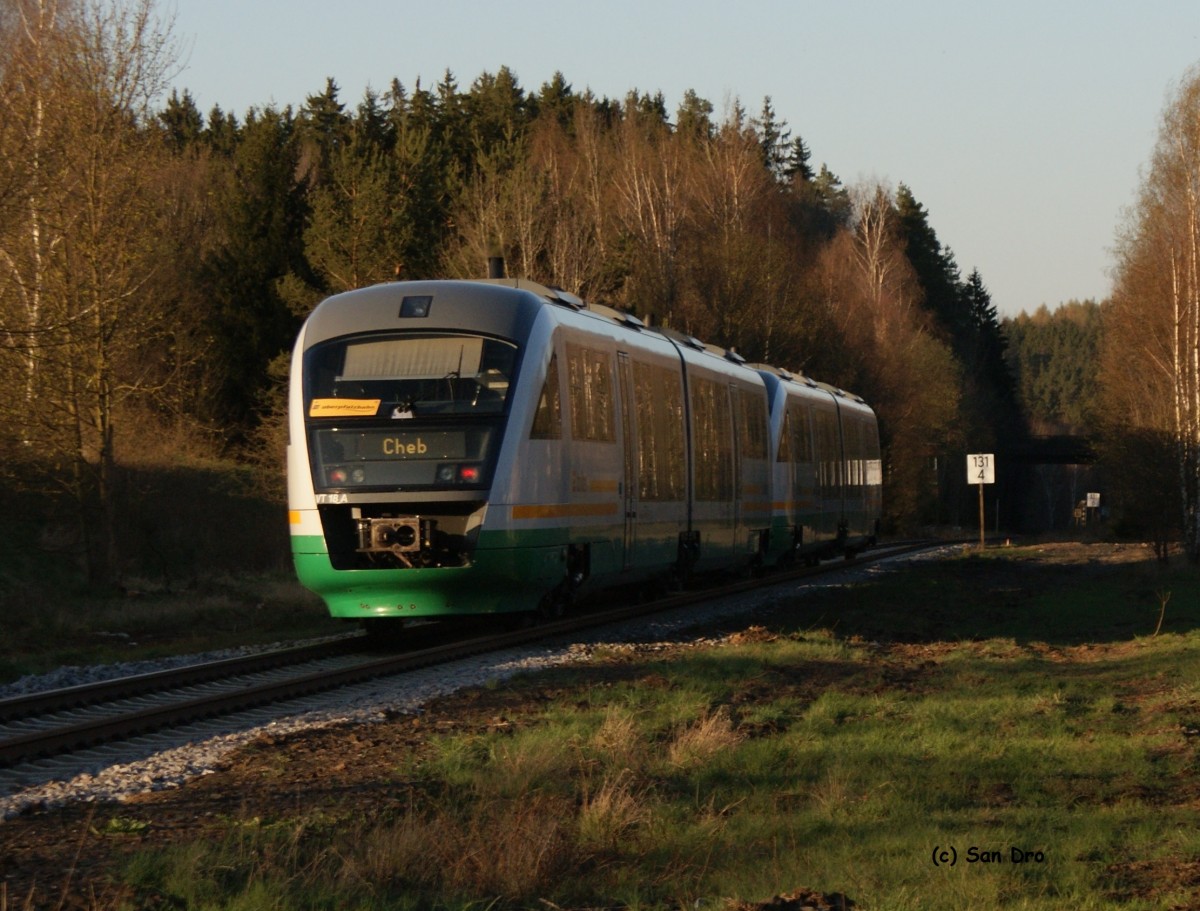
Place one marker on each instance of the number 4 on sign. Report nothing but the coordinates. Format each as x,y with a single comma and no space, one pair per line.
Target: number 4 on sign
981,468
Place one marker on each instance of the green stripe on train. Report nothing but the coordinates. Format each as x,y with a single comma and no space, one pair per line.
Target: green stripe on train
502,579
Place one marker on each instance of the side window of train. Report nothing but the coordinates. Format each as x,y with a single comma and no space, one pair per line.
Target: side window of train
658,392
830,446
801,435
713,431
860,452
853,447
547,421
589,373
752,421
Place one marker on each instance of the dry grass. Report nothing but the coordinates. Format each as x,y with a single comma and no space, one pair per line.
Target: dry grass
618,740
613,814
705,739
512,849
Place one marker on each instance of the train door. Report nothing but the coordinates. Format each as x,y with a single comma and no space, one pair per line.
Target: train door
736,411
629,483
841,475
829,467
805,486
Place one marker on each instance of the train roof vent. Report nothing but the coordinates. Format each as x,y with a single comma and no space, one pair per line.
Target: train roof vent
732,355
682,338
628,319
566,298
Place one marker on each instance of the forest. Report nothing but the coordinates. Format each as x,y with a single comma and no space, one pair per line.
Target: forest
156,262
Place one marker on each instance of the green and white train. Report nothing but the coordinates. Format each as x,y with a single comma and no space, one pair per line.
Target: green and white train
478,447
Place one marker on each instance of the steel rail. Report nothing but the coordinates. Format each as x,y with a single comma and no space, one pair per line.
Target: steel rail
46,702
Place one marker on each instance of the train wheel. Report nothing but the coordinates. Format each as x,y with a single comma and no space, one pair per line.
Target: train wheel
555,604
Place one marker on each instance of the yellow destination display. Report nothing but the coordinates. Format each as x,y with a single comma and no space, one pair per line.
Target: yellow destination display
343,408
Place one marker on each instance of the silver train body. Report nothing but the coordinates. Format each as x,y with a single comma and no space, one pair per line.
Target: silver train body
474,447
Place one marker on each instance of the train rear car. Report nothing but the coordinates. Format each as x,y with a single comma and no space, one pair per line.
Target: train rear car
827,479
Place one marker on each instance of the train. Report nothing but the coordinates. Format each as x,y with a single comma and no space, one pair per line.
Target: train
460,448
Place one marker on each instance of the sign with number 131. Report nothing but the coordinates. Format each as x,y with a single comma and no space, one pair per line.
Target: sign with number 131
981,468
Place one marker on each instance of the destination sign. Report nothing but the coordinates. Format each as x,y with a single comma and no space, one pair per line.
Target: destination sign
375,445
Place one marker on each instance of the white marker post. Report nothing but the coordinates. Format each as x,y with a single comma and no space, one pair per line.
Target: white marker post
981,469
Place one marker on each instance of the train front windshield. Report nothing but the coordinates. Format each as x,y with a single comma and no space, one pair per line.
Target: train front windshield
406,412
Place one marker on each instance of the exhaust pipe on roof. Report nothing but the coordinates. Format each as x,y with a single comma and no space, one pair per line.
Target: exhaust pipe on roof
495,267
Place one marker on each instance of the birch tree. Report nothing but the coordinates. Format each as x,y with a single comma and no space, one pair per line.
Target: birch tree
909,376
1153,330
77,246
741,261
650,209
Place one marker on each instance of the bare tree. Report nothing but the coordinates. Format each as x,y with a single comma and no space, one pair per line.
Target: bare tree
650,208
1152,333
738,269
78,252
909,376
575,211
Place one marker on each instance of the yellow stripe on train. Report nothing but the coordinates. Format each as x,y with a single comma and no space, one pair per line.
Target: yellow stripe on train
564,510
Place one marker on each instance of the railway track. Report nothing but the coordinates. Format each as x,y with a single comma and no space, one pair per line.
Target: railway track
60,721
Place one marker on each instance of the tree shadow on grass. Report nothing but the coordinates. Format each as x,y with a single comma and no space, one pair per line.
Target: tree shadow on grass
977,598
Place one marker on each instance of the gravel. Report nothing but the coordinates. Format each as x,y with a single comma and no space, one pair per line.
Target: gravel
168,759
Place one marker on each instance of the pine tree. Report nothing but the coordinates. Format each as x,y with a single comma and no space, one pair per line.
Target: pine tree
261,211
774,138
221,131
323,127
182,121
693,118
987,357
936,269
796,166
371,125
1053,358
833,198
556,101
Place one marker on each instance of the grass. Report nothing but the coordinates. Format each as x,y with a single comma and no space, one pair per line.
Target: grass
1020,718
83,628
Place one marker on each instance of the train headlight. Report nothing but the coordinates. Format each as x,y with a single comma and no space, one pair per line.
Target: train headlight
446,474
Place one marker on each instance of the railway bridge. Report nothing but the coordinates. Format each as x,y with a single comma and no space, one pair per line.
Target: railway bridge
1060,449
1043,479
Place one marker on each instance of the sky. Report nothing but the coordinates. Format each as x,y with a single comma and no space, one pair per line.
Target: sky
1024,127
